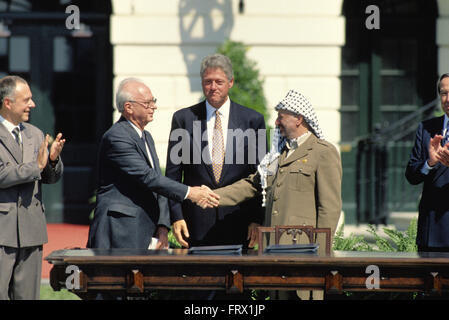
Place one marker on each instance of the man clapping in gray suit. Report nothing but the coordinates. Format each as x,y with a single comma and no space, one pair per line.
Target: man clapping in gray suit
25,163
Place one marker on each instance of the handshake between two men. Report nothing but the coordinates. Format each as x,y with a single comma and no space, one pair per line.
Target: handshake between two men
204,197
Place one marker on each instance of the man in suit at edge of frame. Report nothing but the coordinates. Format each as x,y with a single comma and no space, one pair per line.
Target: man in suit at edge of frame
25,163
428,164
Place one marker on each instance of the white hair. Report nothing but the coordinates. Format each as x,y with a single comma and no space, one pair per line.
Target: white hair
123,95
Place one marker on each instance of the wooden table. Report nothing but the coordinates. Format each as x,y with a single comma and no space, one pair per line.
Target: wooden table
87,272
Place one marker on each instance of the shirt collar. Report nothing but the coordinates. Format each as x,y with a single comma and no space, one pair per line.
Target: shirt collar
295,143
224,109
9,126
139,132
446,119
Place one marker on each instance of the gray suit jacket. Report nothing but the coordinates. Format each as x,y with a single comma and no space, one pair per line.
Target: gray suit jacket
22,218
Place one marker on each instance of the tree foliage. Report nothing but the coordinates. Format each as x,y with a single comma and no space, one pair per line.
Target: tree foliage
248,84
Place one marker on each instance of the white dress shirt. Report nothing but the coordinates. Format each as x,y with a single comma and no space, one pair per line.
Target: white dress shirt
10,127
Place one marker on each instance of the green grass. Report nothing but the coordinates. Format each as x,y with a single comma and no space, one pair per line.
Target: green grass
47,293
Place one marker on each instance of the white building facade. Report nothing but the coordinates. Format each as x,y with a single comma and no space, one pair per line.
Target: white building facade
297,44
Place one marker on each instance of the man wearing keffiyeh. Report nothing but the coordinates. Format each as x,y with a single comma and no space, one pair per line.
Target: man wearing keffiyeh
300,178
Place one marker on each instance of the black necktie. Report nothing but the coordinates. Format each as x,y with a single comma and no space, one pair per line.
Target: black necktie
145,140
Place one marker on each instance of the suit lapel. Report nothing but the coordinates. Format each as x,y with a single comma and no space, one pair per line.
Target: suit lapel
28,147
199,136
442,169
10,144
152,148
204,141
230,150
133,135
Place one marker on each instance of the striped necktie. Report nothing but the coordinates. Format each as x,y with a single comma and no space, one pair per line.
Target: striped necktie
16,133
217,148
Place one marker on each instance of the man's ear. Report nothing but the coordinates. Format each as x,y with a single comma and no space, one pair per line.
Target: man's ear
7,103
127,108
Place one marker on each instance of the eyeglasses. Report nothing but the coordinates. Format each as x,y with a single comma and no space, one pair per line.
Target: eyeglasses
146,104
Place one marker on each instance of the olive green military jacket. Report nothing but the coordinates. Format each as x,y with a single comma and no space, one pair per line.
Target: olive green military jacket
304,190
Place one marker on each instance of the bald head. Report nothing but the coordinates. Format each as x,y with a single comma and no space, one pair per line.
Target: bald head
135,102
127,90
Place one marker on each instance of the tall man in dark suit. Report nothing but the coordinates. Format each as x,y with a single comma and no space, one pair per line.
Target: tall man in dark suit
429,162
25,164
215,143
132,196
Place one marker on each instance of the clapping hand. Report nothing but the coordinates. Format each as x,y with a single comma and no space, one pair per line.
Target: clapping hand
56,147
437,153
42,157
443,156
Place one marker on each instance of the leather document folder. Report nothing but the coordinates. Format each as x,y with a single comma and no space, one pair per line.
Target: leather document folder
292,248
217,250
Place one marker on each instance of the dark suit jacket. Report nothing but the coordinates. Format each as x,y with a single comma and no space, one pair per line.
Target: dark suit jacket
131,196
433,220
22,217
219,225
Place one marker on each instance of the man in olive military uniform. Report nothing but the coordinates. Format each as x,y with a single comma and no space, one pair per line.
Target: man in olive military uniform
300,178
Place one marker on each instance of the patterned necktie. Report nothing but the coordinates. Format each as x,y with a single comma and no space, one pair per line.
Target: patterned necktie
16,132
217,148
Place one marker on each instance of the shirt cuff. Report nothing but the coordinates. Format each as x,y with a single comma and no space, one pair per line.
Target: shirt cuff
187,194
426,168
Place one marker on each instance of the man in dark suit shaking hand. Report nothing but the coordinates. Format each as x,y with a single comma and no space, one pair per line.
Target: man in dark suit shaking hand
132,193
